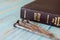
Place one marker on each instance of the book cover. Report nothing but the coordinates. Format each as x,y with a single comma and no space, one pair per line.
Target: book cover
47,12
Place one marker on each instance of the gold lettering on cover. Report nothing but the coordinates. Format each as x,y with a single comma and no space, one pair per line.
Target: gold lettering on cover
38,17
47,18
24,13
55,21
35,16
58,23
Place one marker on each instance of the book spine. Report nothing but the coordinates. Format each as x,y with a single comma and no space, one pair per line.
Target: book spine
40,16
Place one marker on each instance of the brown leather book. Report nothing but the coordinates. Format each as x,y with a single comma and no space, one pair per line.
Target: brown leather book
42,11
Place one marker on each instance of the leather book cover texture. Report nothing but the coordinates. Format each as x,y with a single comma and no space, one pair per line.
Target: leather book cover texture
42,11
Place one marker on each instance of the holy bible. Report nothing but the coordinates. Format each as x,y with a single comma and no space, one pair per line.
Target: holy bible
42,11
